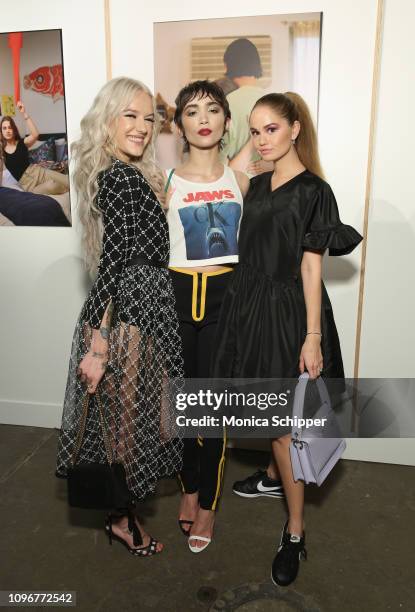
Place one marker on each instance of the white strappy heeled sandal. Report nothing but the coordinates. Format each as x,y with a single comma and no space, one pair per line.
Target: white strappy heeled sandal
198,549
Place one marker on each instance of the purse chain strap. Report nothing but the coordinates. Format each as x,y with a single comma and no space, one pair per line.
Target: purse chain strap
81,432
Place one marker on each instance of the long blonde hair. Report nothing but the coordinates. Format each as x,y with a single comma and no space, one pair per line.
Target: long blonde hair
93,153
292,107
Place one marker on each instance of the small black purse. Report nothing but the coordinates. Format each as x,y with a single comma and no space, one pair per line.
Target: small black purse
101,486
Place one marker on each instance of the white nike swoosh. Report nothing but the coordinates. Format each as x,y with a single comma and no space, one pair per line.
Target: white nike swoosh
261,487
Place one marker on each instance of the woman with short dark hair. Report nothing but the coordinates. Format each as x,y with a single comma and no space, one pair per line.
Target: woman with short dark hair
204,211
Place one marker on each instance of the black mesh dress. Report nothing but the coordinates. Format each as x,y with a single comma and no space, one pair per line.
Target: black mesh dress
263,320
144,345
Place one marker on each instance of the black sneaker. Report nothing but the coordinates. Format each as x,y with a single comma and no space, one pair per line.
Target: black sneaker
258,485
287,560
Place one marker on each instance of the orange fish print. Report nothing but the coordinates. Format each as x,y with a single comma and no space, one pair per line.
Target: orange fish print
46,80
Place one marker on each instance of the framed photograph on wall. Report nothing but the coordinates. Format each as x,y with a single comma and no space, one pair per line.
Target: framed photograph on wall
247,56
34,181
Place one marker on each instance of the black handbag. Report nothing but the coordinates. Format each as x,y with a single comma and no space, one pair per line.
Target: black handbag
102,486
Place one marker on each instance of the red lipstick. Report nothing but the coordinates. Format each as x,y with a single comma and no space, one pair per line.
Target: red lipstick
205,132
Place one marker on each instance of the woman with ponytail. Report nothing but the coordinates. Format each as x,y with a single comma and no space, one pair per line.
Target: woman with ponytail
276,318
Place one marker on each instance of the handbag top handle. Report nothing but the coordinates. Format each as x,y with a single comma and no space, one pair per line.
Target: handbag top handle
82,425
298,407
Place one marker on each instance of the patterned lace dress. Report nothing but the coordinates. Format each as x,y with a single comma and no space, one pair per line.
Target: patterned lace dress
144,345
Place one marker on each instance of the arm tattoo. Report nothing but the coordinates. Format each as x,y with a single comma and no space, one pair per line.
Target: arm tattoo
105,332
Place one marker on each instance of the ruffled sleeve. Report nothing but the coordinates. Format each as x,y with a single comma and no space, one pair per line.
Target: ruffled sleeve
324,230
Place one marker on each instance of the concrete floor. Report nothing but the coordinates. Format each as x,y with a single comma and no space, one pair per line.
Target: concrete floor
360,541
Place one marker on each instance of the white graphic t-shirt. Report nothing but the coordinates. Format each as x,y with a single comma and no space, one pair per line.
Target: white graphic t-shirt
204,220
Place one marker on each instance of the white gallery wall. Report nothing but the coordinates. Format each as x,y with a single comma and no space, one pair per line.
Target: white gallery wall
43,282
388,337
388,330
42,279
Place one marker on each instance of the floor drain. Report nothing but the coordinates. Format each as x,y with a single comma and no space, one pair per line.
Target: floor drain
206,594
256,597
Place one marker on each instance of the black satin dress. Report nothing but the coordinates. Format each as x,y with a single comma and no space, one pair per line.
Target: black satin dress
263,320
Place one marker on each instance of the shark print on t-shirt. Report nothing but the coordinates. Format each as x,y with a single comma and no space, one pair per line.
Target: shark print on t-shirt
204,221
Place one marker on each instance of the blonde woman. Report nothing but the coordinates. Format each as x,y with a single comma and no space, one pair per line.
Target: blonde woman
126,339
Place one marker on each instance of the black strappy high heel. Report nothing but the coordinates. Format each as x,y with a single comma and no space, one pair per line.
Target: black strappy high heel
145,551
183,522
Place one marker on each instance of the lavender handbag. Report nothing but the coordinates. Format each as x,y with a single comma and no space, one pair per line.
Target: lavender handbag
313,455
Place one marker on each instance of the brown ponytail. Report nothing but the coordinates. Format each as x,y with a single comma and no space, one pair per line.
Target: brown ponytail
292,107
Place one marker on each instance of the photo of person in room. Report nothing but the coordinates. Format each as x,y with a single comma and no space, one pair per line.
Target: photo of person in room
243,67
31,177
247,57
33,142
